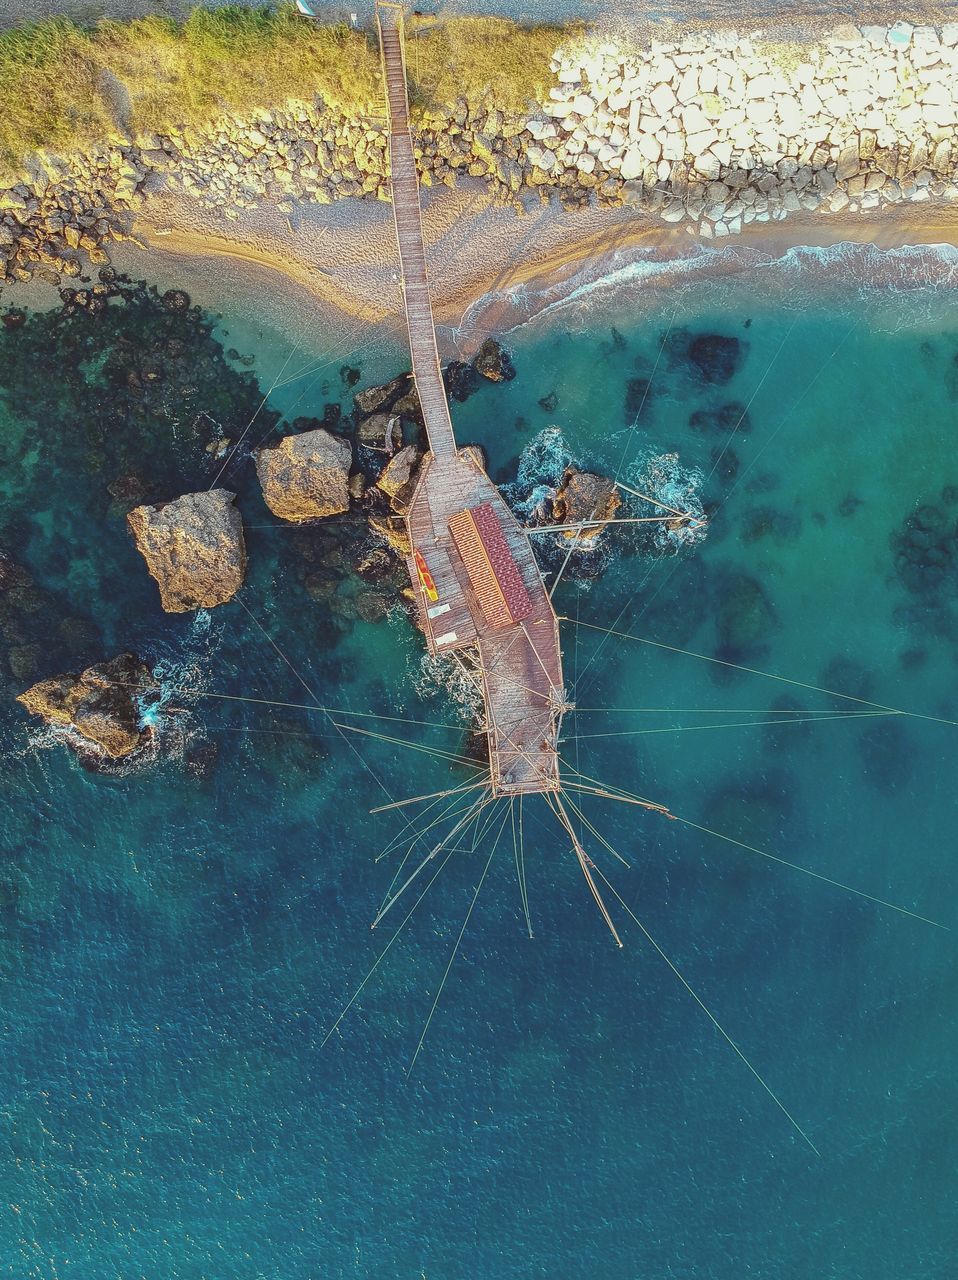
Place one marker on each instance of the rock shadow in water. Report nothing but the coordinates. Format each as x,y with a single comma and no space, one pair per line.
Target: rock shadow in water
887,753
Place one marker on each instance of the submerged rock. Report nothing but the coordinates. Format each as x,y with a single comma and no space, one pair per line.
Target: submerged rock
743,616
461,380
492,361
306,477
728,417
583,496
101,704
715,356
193,547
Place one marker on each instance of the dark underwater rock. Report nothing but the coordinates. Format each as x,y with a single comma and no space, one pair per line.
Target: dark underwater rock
846,675
715,356
638,399
887,754
849,505
382,398
769,522
549,403
128,490
11,574
461,380
926,553
199,758
743,616
100,704
752,809
728,417
492,361
176,300
725,463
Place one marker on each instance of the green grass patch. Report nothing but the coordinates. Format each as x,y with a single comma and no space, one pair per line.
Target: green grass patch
65,87
472,56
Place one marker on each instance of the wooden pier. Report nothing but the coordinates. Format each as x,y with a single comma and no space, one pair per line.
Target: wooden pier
479,591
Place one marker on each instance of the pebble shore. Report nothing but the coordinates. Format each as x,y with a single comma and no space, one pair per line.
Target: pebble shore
712,131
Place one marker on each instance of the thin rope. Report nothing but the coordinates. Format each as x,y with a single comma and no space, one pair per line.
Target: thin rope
859,893
437,849
432,795
596,833
711,1017
410,746
368,768
626,797
761,383
828,359
719,711
648,388
585,863
455,950
231,453
801,684
735,724
517,854
382,955
298,706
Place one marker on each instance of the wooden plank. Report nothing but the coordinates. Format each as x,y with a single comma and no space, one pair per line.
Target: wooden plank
520,662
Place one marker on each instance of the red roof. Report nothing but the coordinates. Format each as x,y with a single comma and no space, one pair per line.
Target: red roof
493,572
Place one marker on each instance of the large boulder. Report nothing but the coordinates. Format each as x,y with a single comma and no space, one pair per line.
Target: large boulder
583,496
306,477
397,479
102,704
494,362
193,547
381,399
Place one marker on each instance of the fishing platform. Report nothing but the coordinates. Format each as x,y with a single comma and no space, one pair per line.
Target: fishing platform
479,592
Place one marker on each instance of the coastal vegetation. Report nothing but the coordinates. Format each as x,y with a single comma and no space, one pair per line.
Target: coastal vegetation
66,87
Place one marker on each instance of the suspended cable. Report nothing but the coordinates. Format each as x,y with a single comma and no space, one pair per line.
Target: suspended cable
458,943
711,1016
801,684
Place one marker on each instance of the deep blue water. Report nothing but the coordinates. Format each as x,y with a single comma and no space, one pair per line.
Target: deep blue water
175,948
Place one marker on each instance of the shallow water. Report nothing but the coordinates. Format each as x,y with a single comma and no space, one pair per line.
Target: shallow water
175,948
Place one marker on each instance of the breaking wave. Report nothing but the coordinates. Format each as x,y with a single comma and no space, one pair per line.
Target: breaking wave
634,276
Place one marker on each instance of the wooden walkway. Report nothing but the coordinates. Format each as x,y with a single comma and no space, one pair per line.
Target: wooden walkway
516,663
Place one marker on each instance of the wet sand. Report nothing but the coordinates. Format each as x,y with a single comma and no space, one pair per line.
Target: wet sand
344,255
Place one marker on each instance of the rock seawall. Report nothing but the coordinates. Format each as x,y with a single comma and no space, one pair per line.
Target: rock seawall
714,131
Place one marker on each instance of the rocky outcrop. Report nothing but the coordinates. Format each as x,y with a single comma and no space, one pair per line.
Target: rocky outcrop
398,478
713,130
492,361
380,431
393,530
102,705
720,130
306,477
193,547
583,496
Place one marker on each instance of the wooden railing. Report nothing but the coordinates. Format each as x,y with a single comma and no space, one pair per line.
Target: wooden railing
407,213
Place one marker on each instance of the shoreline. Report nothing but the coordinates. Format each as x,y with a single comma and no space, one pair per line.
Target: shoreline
344,258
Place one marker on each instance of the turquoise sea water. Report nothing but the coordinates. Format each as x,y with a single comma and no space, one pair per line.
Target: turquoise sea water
175,947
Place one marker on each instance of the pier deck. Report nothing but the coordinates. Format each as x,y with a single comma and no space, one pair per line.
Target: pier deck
489,596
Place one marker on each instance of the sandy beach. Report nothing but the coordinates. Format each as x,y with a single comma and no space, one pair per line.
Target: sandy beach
344,256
